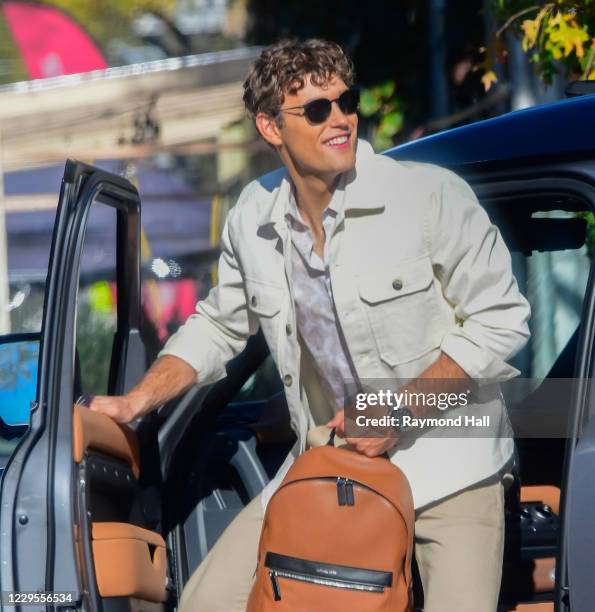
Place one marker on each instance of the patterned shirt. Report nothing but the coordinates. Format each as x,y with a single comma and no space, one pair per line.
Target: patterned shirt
315,309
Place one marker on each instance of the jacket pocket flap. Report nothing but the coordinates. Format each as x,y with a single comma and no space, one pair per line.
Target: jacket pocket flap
263,299
396,280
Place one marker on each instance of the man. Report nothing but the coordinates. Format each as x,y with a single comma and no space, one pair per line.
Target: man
356,267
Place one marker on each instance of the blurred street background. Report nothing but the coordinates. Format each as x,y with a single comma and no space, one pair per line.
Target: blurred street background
151,89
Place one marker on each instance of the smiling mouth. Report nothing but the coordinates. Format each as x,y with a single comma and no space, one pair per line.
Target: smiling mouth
337,141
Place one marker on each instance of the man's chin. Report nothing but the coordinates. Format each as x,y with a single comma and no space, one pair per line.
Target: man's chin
346,166
342,162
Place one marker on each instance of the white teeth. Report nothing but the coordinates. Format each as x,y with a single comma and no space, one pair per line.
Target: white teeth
337,141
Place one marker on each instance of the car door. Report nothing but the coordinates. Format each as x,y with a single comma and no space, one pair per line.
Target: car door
72,518
577,556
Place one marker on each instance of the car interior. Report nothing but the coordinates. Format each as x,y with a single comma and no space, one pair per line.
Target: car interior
153,499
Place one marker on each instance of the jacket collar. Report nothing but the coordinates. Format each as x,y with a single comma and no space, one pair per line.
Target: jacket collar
360,194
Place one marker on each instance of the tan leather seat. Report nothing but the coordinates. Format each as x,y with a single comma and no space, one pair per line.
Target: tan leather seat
544,575
129,561
543,568
543,606
547,494
543,572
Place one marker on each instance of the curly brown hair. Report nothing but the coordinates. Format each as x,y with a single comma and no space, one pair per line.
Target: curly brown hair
281,68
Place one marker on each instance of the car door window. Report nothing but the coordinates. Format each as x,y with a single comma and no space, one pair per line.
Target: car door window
96,319
553,278
555,285
28,238
170,289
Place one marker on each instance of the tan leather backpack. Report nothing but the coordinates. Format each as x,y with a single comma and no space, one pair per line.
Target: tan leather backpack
337,536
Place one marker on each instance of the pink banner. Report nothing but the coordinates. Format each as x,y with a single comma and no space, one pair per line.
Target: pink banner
50,42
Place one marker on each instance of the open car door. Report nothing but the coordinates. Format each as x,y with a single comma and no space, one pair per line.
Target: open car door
72,518
577,558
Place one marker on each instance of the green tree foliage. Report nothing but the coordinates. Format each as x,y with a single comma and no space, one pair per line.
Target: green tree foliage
109,19
96,326
11,66
558,36
383,106
388,42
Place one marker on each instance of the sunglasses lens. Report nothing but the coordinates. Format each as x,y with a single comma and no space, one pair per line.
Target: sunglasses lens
318,111
349,101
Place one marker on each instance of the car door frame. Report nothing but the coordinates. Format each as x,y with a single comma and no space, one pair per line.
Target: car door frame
575,177
37,515
575,574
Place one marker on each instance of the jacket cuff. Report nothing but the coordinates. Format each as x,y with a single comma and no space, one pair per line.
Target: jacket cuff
207,362
483,366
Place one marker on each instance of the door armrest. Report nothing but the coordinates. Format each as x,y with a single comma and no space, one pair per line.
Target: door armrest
92,430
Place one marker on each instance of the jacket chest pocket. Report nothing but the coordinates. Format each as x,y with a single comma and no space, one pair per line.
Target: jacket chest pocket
265,300
402,309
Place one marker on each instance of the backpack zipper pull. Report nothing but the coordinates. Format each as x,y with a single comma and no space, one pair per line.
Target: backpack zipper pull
349,498
275,585
341,491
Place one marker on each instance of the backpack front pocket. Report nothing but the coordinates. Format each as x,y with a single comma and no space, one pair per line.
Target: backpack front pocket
324,574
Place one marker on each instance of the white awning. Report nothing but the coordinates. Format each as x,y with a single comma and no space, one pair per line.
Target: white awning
113,113
92,116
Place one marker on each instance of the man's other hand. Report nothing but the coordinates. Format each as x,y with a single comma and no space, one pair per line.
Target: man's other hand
371,447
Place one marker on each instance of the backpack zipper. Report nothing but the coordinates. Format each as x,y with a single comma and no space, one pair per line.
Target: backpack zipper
351,483
343,577
345,495
349,492
275,585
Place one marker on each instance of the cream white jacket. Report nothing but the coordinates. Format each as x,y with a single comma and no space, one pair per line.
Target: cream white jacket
416,268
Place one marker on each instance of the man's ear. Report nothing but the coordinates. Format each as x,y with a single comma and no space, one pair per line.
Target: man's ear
268,128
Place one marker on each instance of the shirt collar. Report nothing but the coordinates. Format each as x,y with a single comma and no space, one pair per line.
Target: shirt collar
334,208
358,194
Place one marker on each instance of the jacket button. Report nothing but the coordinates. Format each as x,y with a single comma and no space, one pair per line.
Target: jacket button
253,300
397,284
288,380
288,329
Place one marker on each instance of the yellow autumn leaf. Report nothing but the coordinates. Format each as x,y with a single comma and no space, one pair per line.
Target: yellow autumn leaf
555,49
580,51
488,79
565,32
531,28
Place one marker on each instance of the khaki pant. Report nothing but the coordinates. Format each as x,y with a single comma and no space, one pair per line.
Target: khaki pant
459,544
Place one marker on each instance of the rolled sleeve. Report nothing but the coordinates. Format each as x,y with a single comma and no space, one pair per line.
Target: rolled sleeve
475,270
222,323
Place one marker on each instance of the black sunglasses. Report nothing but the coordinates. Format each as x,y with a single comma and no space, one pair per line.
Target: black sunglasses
319,110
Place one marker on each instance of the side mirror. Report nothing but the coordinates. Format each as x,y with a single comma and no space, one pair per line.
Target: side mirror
19,357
